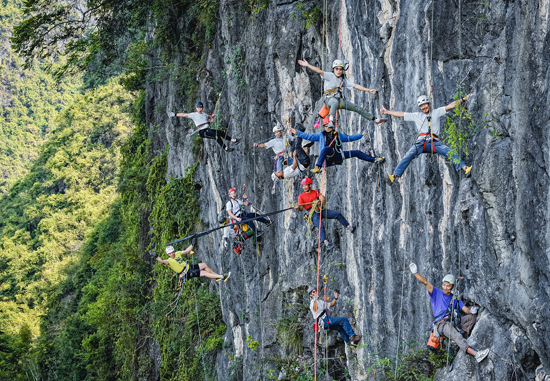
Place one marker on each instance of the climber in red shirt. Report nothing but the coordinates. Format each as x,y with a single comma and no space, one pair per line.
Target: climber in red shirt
313,199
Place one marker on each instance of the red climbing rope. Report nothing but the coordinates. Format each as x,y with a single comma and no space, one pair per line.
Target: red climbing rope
319,261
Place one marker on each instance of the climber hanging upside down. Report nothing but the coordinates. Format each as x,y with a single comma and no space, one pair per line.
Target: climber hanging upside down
202,123
427,123
310,200
335,85
330,146
184,269
299,162
446,310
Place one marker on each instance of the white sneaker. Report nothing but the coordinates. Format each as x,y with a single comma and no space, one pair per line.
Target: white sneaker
481,355
225,242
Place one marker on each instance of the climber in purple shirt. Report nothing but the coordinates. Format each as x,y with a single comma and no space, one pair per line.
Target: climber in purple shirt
441,300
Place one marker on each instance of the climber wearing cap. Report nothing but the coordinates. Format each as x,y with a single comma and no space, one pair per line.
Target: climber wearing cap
182,266
442,305
310,200
335,85
319,309
427,124
299,162
236,209
330,146
202,123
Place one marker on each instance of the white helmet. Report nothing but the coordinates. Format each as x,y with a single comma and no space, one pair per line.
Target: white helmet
169,249
422,100
337,63
449,278
278,127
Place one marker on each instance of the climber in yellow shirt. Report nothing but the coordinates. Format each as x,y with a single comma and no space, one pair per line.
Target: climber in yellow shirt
182,266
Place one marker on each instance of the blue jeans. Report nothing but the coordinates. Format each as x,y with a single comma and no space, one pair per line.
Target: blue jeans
251,223
330,215
418,148
340,324
336,158
278,163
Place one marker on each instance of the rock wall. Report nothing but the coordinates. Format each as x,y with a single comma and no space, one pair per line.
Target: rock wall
490,229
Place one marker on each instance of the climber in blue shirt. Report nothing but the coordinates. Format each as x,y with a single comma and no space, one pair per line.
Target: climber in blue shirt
441,307
330,146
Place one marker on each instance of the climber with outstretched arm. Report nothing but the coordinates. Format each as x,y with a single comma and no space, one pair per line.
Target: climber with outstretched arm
319,309
236,209
335,84
278,145
310,200
182,266
202,123
427,123
443,304
330,146
299,162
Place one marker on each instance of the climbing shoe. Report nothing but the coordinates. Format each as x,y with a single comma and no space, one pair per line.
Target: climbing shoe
467,171
355,339
329,245
379,160
273,189
380,121
352,228
392,177
225,242
237,141
481,355
227,149
269,223
316,170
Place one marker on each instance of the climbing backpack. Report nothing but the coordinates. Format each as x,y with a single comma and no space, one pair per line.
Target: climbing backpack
434,340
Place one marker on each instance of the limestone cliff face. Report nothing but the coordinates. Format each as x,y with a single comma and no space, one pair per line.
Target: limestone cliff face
490,229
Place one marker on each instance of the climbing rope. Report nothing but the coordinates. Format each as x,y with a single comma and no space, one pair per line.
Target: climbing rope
319,261
340,36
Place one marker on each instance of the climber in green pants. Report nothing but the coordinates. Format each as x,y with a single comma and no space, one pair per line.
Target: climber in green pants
335,85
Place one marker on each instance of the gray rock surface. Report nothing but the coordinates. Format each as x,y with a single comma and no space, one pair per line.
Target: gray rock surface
490,229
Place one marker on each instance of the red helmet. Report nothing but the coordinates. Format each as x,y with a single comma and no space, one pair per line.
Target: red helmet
231,190
326,119
307,181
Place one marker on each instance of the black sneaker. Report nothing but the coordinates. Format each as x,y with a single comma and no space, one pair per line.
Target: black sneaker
352,228
237,141
227,149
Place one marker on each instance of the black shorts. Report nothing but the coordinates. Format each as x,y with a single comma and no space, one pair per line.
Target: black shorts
194,272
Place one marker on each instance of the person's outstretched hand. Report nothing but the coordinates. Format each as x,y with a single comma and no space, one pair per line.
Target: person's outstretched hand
292,130
413,268
383,111
303,63
372,91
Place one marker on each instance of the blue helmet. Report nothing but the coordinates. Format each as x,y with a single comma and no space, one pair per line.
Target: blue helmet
199,104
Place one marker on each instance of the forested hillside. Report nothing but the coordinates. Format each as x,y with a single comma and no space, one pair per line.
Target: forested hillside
30,101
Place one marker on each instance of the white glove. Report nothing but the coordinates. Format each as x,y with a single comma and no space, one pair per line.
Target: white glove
171,114
413,268
473,310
